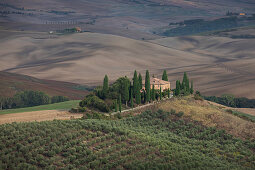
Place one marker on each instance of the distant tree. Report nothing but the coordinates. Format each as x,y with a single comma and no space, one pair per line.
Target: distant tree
57,99
228,100
2,100
116,105
178,88
164,76
147,86
131,100
191,88
135,83
126,92
153,96
140,80
138,95
185,84
139,98
120,103
119,86
168,93
105,86
160,93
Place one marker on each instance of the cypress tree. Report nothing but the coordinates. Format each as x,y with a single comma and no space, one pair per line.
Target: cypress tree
140,80
120,103
168,93
138,95
147,86
160,93
126,92
191,88
116,105
131,98
105,86
178,88
164,76
135,83
138,100
185,83
153,93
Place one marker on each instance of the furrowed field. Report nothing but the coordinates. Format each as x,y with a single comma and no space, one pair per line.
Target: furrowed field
153,139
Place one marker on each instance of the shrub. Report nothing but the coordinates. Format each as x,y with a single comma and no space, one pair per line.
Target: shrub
57,99
95,102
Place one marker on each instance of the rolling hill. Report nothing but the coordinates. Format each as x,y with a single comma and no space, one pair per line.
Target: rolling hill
12,83
216,64
153,139
130,18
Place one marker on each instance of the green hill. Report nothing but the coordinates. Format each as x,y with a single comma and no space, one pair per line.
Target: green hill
153,139
56,106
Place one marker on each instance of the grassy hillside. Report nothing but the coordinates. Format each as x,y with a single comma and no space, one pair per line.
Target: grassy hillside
56,106
212,115
12,83
162,140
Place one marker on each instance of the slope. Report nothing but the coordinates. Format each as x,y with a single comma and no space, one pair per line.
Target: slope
159,140
12,83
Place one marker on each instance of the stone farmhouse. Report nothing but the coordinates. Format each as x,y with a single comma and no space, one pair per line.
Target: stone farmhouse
157,83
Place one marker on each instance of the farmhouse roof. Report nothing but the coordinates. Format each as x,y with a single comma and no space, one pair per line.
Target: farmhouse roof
157,81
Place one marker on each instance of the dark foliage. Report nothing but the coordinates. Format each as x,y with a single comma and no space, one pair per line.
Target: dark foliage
231,101
95,102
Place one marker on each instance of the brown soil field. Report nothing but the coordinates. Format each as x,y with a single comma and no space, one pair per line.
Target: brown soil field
217,65
38,116
12,83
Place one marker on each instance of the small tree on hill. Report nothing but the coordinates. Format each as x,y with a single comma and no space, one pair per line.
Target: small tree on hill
185,84
168,93
126,92
116,105
140,80
178,88
160,93
139,98
135,83
164,76
191,88
153,95
131,100
105,86
147,86
120,104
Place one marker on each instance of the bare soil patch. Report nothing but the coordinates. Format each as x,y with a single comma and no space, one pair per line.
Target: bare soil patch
38,116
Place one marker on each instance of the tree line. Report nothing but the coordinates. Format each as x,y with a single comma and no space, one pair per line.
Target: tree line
232,101
29,99
131,93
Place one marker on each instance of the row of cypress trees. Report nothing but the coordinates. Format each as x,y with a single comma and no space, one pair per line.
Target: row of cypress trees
185,88
135,91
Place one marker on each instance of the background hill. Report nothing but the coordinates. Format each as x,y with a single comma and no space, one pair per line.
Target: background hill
12,83
216,64
131,18
219,61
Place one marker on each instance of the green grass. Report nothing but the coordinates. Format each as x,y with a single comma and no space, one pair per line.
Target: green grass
56,106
